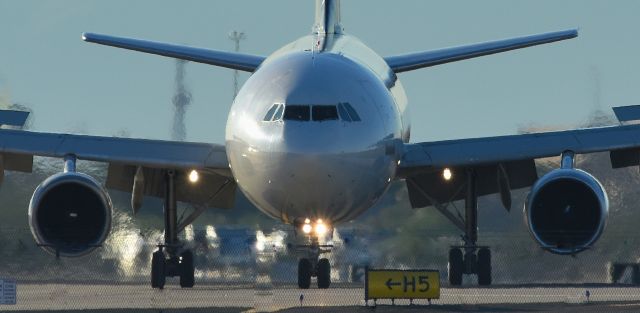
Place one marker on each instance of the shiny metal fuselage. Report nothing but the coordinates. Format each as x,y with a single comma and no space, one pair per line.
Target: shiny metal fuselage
333,170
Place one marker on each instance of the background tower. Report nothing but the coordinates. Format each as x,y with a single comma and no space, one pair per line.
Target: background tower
236,36
181,99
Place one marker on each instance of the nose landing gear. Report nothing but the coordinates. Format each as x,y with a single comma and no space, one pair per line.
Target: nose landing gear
305,271
311,265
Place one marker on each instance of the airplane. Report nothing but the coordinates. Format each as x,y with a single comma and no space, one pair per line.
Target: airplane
313,139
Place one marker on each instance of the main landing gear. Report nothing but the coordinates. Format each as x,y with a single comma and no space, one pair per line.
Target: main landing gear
171,259
470,258
476,260
162,267
314,266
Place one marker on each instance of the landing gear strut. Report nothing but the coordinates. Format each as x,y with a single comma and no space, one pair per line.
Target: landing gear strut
311,265
171,260
470,258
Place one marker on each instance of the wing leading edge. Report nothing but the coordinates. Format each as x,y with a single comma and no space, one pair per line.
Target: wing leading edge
232,60
478,151
144,152
413,61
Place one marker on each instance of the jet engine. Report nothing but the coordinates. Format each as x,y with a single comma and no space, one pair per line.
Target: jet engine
70,214
567,210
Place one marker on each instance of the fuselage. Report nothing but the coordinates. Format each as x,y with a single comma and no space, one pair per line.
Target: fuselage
316,132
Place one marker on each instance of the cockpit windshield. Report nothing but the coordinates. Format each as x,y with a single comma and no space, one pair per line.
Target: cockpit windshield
297,113
316,113
324,113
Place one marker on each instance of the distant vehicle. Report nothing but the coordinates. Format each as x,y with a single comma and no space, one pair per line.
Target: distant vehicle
313,139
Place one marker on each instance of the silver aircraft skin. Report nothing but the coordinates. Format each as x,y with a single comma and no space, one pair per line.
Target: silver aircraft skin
333,169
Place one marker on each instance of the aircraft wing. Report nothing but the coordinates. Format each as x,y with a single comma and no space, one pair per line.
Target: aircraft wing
232,60
215,188
413,61
422,163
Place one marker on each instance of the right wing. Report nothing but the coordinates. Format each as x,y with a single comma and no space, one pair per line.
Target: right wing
414,61
232,60
215,188
505,161
491,150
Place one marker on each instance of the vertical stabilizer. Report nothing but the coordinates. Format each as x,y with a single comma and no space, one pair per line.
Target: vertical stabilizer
327,17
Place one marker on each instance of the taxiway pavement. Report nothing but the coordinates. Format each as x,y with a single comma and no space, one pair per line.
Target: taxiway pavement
41,297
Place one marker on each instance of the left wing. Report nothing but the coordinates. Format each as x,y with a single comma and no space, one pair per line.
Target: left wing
216,187
511,156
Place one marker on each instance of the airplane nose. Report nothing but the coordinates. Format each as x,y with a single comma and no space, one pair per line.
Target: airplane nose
317,185
328,174
310,139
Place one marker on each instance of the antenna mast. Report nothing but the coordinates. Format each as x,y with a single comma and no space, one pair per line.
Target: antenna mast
181,99
236,36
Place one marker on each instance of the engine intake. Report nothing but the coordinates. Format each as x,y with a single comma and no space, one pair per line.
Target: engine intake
567,211
70,214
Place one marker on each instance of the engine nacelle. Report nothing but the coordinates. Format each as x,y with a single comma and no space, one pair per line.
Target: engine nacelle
70,214
567,210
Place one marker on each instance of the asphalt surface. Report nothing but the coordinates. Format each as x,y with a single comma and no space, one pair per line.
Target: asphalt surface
548,307
193,310
545,307
141,298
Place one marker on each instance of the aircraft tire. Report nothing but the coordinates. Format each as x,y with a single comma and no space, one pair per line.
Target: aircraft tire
186,270
484,267
304,273
324,274
158,278
456,267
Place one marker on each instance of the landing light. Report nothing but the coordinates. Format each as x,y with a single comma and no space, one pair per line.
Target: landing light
321,229
193,176
447,174
306,228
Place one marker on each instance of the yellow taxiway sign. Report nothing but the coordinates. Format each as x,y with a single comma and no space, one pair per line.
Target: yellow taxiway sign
402,284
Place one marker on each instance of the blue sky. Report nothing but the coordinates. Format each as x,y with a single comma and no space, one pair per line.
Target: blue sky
79,87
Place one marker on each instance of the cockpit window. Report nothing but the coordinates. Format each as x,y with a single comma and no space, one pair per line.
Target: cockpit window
269,114
324,112
348,113
278,115
343,113
297,113
274,113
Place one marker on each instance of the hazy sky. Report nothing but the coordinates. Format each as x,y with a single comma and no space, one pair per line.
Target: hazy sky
79,87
